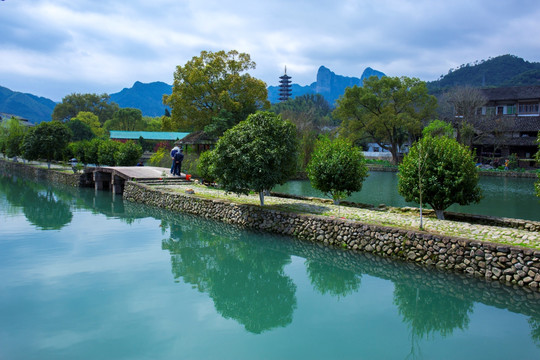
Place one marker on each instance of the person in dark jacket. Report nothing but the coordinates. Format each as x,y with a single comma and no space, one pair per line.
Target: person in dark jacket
173,152
178,157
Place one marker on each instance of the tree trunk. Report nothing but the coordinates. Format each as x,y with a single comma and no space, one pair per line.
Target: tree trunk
394,152
440,214
261,197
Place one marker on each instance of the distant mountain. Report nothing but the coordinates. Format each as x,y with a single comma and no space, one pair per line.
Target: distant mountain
146,97
504,70
328,84
33,108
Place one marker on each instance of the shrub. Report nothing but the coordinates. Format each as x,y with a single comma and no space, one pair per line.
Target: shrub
205,167
107,151
440,172
337,168
128,154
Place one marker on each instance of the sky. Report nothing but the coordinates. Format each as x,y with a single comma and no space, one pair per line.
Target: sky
53,48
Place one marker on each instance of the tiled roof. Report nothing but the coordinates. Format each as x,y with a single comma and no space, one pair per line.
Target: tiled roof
198,137
512,93
509,123
507,141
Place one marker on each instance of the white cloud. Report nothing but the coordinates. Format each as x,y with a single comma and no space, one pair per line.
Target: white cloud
105,46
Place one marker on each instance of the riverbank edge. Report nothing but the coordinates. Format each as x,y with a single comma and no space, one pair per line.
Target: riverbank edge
493,173
510,265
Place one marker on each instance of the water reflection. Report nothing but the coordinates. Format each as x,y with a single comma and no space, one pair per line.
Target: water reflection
246,281
42,206
332,280
245,275
428,312
502,196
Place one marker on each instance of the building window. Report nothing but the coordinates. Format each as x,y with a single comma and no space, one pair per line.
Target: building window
510,109
500,110
490,110
528,108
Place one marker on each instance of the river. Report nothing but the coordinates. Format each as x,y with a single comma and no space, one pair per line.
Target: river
502,196
85,275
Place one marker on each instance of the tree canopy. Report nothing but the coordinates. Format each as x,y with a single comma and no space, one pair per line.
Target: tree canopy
47,140
11,136
309,111
92,121
72,104
337,168
126,119
447,174
80,130
212,82
256,154
388,110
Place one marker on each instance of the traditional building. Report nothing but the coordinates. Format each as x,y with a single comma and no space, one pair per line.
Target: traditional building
508,123
198,142
285,90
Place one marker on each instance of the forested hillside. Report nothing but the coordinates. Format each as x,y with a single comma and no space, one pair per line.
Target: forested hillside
504,70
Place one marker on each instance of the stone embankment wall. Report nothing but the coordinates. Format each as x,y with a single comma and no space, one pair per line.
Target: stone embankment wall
505,264
37,173
528,225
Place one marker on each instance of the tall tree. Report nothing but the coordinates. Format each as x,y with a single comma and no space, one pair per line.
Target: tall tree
48,141
72,104
388,110
460,106
80,130
11,137
92,121
212,82
256,154
126,119
312,115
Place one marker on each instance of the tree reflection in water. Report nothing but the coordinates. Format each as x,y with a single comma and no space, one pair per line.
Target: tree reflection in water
327,278
245,279
40,204
428,312
245,276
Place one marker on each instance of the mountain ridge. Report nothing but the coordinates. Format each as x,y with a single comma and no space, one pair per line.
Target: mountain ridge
328,84
503,70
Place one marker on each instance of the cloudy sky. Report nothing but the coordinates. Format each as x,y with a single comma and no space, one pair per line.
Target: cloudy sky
53,48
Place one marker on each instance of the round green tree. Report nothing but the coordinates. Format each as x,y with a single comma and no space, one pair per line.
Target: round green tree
48,141
128,154
337,168
440,172
107,151
256,154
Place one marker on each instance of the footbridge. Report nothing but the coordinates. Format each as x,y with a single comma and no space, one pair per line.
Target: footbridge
113,177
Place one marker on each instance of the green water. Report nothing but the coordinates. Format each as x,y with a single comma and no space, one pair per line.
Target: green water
502,196
84,275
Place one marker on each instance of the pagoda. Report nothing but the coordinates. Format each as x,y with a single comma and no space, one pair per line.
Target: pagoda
285,90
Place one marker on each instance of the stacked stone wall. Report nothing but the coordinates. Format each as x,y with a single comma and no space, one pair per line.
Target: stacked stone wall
37,173
506,264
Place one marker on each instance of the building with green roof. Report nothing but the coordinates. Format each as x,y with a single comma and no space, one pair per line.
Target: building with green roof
147,135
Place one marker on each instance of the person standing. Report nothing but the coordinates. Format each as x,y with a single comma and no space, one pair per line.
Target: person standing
173,152
178,157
